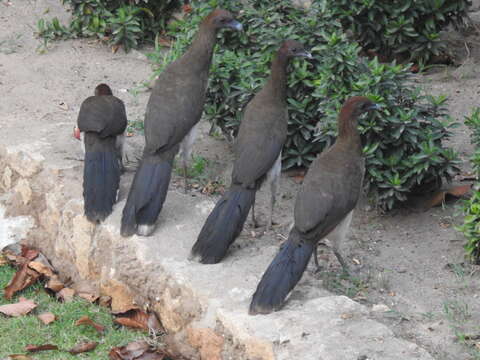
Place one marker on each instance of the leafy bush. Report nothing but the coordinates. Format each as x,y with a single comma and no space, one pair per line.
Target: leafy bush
120,22
471,207
403,141
408,29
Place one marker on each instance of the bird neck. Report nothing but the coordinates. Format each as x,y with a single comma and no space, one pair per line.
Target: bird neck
277,82
348,131
199,54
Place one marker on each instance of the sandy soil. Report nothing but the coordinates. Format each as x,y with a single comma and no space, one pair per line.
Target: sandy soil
401,259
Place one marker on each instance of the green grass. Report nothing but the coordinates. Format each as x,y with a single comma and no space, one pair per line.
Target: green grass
16,333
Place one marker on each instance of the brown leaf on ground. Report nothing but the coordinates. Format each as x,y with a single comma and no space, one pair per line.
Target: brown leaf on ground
54,284
83,347
105,301
3,260
164,41
137,350
47,318
66,294
425,202
139,319
41,268
36,348
87,296
19,357
85,320
23,307
28,253
115,48
22,279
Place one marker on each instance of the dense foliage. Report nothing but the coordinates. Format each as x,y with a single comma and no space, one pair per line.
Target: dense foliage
402,142
471,207
408,29
120,22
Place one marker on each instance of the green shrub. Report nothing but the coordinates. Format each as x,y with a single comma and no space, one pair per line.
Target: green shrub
403,141
119,22
471,207
408,29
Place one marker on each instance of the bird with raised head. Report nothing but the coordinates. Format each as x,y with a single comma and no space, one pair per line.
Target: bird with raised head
174,108
323,206
101,122
258,153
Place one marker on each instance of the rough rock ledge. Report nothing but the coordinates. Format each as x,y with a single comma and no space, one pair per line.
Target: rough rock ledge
203,307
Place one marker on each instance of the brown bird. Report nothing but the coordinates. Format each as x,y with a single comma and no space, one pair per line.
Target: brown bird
102,121
258,149
174,108
324,205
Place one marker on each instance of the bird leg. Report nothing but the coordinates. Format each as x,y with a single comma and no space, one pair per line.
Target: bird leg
341,261
274,179
255,225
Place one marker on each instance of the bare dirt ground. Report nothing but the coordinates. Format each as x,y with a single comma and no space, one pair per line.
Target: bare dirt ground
408,265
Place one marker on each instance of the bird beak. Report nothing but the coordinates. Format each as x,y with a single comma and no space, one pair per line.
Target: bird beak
76,133
374,107
235,25
304,54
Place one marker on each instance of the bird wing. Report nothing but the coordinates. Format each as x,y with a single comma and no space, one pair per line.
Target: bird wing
103,114
260,139
331,190
174,107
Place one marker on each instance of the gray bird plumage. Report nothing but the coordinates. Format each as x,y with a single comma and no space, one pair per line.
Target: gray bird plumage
328,195
258,146
174,108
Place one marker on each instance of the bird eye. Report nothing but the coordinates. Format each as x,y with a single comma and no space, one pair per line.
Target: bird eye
294,49
223,20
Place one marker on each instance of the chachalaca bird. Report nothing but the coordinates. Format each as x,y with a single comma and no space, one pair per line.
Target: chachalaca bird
324,206
174,108
102,121
258,149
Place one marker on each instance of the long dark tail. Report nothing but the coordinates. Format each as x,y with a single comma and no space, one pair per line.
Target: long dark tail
282,275
147,195
223,225
101,176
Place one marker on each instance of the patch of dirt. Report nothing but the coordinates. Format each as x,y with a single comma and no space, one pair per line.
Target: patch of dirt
409,262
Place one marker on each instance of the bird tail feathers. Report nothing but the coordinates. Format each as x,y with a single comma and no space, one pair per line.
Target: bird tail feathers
223,225
146,197
282,275
101,178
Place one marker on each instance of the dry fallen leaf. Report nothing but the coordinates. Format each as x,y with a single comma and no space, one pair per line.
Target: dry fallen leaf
36,348
41,268
105,300
137,319
63,105
346,316
87,296
22,279
3,260
66,294
47,318
23,307
138,350
54,284
85,320
426,202
83,347
115,48
28,253
19,357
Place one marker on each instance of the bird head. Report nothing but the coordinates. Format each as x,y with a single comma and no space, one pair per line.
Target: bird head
103,89
293,48
220,19
359,105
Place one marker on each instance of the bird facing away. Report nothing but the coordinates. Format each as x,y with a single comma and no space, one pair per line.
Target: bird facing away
102,121
324,204
258,148
174,108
